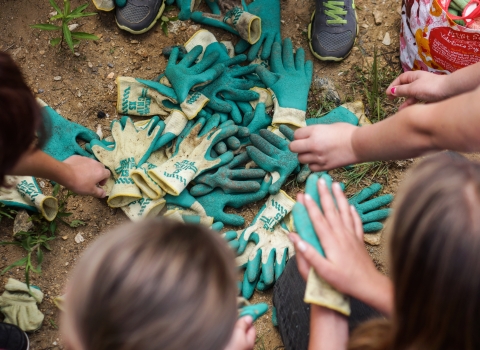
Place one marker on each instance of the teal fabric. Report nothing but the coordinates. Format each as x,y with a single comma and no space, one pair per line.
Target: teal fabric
184,75
290,76
254,310
337,115
269,12
63,136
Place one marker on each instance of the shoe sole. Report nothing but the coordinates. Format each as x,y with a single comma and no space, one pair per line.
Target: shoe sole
160,12
326,58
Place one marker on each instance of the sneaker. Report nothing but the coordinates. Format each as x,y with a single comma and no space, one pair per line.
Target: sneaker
138,16
333,29
13,338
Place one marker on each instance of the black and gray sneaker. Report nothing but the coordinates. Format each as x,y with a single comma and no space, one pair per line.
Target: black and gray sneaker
333,29
138,16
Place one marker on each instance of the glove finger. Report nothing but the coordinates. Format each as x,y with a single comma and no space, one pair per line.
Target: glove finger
208,76
261,286
309,71
241,186
267,47
247,118
241,46
376,215
268,274
206,62
235,114
230,219
235,60
243,132
200,190
218,226
211,124
261,159
275,186
287,132
300,59
239,71
365,193
253,266
172,61
253,52
225,158
204,18
233,143
218,105
81,152
266,76
375,203
224,133
213,5
268,142
372,227
287,54
86,134
239,160
245,107
241,92
247,174
303,174
248,287
220,147
280,264
276,59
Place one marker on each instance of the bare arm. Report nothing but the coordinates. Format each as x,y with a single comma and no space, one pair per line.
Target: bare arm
328,329
79,174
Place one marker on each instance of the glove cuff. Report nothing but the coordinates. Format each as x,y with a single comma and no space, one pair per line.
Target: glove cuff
203,38
144,208
47,206
28,188
290,116
248,26
104,5
175,123
174,175
123,192
193,104
319,292
146,184
265,97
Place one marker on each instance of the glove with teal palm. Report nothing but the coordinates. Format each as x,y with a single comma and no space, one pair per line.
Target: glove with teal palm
186,7
215,202
231,17
269,12
192,155
231,178
23,192
184,75
133,146
183,205
287,71
341,114
271,153
369,210
272,245
318,291
62,142
253,310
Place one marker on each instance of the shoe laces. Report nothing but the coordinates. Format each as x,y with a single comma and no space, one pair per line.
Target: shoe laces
336,11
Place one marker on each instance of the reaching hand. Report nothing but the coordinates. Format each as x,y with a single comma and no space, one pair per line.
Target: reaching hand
86,174
347,266
243,337
418,86
325,147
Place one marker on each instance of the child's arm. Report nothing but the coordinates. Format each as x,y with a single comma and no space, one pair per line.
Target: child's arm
328,329
452,124
79,174
428,87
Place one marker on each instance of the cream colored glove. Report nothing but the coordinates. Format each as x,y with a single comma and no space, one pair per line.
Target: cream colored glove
20,307
319,292
25,193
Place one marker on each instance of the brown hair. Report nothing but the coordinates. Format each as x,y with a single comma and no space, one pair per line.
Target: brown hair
435,260
20,116
158,284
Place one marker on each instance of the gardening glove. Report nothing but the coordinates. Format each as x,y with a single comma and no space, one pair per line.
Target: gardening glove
269,12
174,125
318,291
186,205
287,71
104,5
184,75
369,210
341,114
209,45
186,7
181,216
231,17
23,192
231,178
257,120
254,310
62,142
272,245
272,154
133,146
191,155
215,202
19,305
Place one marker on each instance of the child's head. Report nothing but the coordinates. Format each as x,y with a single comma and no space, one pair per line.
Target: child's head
435,260
158,284
20,116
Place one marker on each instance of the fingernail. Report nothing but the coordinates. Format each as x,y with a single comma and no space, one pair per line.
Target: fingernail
308,197
392,90
249,320
337,186
322,182
301,246
291,238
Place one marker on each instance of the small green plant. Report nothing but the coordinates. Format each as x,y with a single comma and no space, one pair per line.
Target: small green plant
355,174
165,20
65,16
37,240
6,212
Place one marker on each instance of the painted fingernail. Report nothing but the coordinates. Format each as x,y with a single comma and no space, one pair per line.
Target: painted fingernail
308,197
301,246
337,186
322,182
392,90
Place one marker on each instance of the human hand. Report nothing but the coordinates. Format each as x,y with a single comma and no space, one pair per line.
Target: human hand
418,86
244,334
325,147
347,266
86,174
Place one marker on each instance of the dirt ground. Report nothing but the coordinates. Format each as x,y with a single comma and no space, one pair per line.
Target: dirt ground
84,89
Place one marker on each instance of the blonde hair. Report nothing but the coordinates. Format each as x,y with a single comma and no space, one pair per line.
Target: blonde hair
435,261
158,284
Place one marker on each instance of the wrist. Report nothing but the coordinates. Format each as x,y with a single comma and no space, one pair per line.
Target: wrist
378,293
355,145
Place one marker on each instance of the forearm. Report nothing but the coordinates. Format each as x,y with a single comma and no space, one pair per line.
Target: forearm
39,164
378,293
463,80
452,124
328,329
